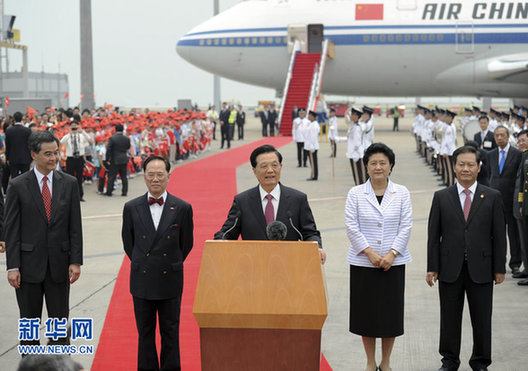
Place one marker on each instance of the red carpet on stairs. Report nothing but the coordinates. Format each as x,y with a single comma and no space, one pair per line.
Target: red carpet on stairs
209,186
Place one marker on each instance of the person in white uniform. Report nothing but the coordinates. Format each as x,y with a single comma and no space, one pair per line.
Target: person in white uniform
299,125
355,148
311,143
333,132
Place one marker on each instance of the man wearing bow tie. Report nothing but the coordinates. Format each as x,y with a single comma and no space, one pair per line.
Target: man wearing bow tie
157,237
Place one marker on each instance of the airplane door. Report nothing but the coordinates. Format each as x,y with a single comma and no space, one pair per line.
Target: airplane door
315,38
297,32
465,39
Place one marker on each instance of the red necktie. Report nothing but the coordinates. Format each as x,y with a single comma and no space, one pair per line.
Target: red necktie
153,200
46,197
467,203
269,212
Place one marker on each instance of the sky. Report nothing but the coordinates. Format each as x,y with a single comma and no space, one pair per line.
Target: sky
134,50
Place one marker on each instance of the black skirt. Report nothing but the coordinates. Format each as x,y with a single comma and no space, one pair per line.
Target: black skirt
376,301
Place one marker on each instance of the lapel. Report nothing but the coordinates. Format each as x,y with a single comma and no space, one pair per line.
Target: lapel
167,215
256,206
57,192
478,199
34,191
494,161
388,196
283,204
455,200
509,158
143,211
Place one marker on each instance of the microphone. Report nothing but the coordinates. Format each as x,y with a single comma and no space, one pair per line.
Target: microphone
291,222
276,231
237,215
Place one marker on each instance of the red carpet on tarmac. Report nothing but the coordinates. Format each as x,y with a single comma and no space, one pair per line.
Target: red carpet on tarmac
209,186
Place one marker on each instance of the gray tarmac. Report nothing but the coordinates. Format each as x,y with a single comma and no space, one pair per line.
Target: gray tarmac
416,350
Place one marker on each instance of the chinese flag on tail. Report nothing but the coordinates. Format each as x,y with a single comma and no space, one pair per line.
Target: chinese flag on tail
7,100
369,12
66,95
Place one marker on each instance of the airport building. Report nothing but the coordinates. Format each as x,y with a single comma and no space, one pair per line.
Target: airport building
53,86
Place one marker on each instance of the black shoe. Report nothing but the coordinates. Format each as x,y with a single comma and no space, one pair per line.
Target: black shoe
523,283
516,270
521,274
108,194
311,179
123,195
83,200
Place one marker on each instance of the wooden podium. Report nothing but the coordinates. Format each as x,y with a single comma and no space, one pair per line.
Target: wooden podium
260,305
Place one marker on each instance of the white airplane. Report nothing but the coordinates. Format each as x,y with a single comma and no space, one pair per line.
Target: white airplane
382,47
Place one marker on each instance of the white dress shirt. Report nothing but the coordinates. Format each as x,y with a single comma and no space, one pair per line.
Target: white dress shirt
82,141
275,192
462,195
156,209
40,180
380,227
506,149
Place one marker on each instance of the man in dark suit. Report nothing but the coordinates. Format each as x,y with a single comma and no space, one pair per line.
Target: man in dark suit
157,237
240,121
466,252
17,152
264,120
484,138
255,208
272,120
504,162
117,156
224,125
43,233
521,203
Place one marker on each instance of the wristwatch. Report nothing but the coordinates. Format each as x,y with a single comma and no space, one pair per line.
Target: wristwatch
394,252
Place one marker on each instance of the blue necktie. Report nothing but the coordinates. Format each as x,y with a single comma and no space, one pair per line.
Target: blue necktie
502,160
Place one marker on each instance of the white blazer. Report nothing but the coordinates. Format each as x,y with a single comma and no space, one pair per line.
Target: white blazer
380,227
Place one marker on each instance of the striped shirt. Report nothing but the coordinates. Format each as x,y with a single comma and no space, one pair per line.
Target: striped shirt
380,227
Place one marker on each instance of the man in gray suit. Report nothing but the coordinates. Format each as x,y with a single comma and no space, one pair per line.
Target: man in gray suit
43,233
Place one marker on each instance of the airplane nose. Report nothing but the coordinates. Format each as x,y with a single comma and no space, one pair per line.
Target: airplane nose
182,49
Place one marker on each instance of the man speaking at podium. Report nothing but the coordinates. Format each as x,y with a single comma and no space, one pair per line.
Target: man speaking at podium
255,208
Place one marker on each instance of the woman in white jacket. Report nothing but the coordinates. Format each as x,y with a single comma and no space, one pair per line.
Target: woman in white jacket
378,221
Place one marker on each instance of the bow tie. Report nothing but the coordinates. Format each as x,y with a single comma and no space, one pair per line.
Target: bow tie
153,200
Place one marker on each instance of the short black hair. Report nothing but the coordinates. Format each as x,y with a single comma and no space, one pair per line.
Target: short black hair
41,136
32,125
522,132
153,158
17,116
472,143
379,148
484,117
466,149
266,148
119,127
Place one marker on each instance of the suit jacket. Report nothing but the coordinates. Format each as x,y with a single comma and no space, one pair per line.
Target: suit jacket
483,235
32,242
263,117
505,182
224,116
117,149
157,255
521,199
489,137
17,151
251,224
272,117
483,176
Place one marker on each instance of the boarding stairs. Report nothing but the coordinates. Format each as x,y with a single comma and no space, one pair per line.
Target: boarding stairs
303,84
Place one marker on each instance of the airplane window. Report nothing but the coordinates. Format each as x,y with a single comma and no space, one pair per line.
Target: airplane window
284,40
239,41
391,38
431,37
254,41
231,41
415,37
224,41
209,42
246,40
424,37
202,41
440,37
216,41
382,38
374,38
399,38
407,38
270,40
262,40
366,38
278,40
468,37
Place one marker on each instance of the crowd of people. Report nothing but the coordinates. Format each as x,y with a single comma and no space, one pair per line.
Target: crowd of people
501,138
106,145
